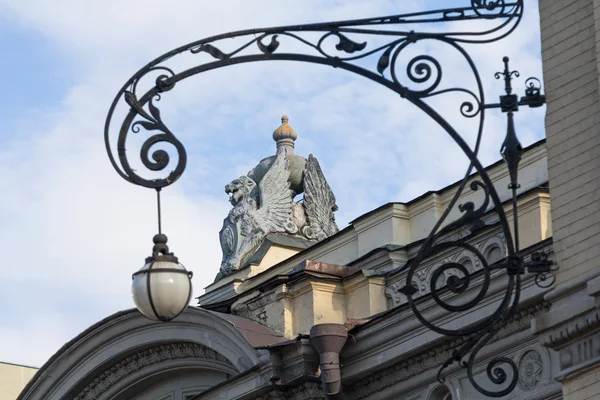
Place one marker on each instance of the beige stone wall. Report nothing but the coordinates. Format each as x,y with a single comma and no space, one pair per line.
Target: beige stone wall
569,51
570,48
583,387
13,379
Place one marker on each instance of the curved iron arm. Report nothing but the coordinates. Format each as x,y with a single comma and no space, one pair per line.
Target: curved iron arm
507,13
423,80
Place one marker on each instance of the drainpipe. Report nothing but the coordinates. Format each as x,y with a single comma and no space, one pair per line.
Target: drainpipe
328,340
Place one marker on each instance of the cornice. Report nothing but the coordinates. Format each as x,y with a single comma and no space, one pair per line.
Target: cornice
355,282
382,258
528,202
326,287
576,312
361,281
427,203
377,216
574,329
500,172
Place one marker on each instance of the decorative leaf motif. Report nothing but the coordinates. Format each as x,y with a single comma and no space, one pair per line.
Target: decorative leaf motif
271,47
131,99
384,60
347,45
154,111
149,126
212,50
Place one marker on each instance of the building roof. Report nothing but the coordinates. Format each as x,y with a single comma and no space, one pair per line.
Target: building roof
442,190
255,334
17,365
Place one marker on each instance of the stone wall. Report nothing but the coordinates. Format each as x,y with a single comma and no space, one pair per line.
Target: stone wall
13,379
569,52
570,46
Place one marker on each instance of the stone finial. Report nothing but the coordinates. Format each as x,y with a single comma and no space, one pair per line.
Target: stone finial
285,132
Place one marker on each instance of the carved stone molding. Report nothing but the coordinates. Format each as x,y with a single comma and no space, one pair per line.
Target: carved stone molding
521,320
582,351
435,356
531,370
572,329
251,307
304,391
255,307
572,326
274,394
144,359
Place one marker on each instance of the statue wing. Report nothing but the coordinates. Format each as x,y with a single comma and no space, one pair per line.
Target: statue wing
319,202
275,198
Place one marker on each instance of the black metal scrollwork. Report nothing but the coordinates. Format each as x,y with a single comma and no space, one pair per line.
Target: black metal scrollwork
150,121
381,64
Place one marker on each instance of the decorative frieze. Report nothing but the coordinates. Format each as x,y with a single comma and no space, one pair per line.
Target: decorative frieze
435,356
305,391
262,307
493,248
144,359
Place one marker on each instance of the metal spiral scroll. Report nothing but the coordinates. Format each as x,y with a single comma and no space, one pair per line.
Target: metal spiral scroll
150,120
456,280
341,45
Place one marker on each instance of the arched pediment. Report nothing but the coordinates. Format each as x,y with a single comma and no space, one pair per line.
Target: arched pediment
126,354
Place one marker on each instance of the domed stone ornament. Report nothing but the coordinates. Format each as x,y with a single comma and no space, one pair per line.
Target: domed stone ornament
285,137
530,370
263,202
285,131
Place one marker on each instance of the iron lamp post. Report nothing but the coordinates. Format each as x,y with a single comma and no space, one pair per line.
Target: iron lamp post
161,289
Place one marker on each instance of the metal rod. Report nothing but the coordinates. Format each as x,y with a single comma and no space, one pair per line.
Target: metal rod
515,217
159,210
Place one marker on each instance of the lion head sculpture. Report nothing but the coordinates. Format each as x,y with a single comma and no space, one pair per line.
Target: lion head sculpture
240,189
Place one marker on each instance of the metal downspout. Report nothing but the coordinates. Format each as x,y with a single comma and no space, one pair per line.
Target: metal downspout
328,340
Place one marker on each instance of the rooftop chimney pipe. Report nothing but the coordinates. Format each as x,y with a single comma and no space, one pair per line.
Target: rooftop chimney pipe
328,340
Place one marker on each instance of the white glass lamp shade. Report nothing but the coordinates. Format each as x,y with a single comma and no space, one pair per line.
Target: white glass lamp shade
161,290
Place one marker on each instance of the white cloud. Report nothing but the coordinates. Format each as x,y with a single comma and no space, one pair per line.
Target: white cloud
76,231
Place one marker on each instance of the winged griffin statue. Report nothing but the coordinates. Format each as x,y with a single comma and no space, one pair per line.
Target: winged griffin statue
268,206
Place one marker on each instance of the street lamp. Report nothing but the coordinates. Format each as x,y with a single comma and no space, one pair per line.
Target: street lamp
161,289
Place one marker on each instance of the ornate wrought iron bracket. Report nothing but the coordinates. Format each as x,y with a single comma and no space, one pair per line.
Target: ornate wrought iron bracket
458,282
350,45
510,102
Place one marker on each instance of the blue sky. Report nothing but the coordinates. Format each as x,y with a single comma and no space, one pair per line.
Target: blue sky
76,231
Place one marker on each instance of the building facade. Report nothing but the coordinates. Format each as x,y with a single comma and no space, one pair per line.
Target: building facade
13,379
252,335
570,52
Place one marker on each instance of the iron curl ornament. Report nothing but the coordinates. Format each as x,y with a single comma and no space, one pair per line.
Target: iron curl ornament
374,48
